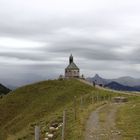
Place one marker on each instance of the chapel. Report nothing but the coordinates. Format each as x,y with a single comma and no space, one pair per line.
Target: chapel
72,71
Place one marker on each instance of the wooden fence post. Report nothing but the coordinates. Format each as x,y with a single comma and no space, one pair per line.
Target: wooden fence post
75,111
81,102
37,133
92,99
103,98
97,98
110,97
64,125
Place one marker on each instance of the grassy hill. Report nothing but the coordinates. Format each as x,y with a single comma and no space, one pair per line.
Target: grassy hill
43,103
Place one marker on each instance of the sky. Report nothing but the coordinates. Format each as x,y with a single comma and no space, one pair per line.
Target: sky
37,37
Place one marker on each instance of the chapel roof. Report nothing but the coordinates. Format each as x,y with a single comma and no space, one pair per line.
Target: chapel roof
72,65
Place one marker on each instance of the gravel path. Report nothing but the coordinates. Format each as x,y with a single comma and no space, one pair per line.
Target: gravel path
101,124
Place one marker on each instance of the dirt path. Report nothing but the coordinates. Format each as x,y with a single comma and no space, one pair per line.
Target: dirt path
101,124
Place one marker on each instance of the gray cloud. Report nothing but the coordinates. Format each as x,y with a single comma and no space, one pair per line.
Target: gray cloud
25,56
36,38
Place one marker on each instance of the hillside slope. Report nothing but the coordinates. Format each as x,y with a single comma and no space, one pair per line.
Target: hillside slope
4,90
32,103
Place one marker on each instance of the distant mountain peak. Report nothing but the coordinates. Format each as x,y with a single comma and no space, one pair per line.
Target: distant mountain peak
117,86
97,76
126,83
98,80
114,83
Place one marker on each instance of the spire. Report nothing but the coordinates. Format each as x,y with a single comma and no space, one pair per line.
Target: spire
70,59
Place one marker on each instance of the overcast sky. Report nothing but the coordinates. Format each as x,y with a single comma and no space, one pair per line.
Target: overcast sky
37,37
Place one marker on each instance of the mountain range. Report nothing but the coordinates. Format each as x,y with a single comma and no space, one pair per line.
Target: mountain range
123,83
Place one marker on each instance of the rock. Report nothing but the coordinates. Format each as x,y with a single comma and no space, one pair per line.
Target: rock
54,125
60,125
52,128
50,135
120,99
102,134
47,133
91,136
119,133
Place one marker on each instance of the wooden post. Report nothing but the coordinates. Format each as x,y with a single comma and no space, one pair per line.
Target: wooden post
110,97
37,133
97,98
75,111
64,125
92,99
103,98
81,102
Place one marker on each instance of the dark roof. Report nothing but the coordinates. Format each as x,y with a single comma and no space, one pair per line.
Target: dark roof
72,66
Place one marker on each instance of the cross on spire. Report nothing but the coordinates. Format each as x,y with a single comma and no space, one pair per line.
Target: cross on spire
70,59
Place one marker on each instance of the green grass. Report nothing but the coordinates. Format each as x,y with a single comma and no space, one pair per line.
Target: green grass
43,102
128,119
